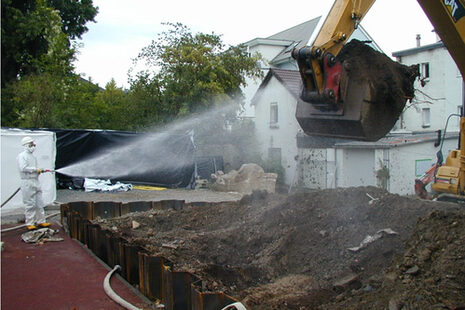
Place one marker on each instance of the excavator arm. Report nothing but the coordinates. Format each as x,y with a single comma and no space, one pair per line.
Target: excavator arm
350,90
341,22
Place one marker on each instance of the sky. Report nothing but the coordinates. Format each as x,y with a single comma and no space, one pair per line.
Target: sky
124,27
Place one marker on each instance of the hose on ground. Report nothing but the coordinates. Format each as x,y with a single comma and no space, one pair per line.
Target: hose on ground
235,306
6,201
24,225
109,291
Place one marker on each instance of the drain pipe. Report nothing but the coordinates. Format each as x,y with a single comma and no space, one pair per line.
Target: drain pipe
24,225
109,291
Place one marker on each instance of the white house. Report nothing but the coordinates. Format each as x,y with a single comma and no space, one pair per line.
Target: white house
392,162
439,92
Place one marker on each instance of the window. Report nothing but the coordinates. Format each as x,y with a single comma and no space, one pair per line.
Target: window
426,117
424,70
273,114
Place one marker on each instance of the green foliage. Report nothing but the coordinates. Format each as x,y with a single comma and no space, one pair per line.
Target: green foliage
191,71
35,32
185,74
75,15
37,72
30,101
112,106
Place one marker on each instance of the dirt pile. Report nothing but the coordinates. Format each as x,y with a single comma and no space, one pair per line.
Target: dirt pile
430,274
390,84
289,252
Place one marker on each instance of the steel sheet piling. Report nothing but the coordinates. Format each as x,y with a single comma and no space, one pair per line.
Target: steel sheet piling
153,274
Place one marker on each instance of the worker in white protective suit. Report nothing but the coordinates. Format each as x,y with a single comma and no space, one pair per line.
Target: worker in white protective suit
30,186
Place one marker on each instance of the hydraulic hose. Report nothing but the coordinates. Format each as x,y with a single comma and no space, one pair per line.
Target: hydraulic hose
109,291
24,225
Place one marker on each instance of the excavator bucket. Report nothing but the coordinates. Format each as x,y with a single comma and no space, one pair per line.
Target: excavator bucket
372,93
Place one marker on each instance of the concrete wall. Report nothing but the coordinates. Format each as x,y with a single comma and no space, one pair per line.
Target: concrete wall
281,135
317,168
313,168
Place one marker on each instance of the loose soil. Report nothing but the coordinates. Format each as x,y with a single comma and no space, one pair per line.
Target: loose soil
275,251
390,85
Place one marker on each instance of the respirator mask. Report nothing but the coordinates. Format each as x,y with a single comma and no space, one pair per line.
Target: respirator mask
30,148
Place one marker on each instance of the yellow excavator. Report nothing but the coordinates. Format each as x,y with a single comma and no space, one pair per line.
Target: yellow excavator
351,91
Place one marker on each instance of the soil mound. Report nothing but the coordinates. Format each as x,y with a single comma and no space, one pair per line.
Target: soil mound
391,85
429,274
289,252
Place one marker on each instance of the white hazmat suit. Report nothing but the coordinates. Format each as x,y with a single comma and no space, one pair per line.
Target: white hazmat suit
30,186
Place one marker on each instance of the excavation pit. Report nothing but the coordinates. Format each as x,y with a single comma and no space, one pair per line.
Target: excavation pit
269,251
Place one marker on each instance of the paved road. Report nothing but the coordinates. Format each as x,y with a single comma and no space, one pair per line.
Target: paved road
198,195
65,195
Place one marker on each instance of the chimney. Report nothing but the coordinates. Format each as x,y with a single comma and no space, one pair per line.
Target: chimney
418,40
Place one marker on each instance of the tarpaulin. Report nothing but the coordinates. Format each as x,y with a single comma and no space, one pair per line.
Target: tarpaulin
96,185
166,160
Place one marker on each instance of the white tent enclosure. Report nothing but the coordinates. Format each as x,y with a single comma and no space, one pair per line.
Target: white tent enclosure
45,153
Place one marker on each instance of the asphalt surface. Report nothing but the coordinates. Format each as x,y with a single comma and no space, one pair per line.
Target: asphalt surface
197,195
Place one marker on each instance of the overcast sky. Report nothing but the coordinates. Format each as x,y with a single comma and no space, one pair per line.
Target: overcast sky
124,27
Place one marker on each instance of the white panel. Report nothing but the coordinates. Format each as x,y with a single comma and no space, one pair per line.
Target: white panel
45,153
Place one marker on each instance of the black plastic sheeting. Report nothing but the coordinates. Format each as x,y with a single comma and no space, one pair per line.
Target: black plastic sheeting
169,159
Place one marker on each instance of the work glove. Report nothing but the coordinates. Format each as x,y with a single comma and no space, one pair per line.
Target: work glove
40,170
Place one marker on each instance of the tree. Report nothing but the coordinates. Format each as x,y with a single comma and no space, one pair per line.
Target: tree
75,14
192,71
30,27
31,101
112,104
37,57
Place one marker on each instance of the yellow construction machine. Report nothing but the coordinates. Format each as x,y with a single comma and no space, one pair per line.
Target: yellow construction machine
351,91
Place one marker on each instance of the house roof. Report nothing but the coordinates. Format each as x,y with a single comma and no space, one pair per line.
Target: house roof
290,79
299,35
416,50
